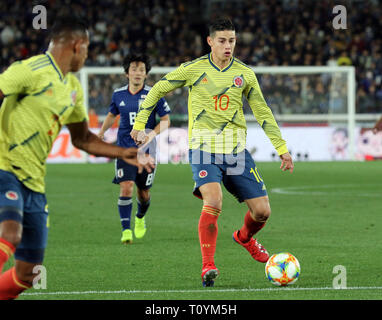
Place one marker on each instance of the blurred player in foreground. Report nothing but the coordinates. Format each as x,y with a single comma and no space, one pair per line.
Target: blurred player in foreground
217,138
125,101
40,96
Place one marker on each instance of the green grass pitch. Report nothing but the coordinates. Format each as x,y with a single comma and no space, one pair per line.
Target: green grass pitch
326,214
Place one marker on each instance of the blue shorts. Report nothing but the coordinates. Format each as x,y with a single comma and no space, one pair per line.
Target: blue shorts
238,172
30,209
128,172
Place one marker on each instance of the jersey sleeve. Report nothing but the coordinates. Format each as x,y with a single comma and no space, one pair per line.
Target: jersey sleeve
263,114
17,78
79,113
170,82
113,106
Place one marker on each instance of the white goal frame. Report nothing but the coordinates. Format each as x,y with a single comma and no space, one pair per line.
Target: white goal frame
350,117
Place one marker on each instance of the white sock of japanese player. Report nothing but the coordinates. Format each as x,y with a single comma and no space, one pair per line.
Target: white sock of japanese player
125,204
142,208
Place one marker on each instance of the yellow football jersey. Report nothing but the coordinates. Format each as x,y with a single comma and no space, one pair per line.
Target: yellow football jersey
215,105
38,101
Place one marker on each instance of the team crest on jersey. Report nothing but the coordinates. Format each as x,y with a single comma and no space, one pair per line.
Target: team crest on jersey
203,173
12,195
49,92
238,81
73,95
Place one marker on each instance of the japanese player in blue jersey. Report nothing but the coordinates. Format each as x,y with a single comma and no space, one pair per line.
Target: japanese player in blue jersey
125,102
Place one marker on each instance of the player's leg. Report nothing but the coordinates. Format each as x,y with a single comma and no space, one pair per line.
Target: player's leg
255,218
125,175
143,198
250,188
208,229
144,182
11,215
207,176
10,237
143,204
30,251
125,206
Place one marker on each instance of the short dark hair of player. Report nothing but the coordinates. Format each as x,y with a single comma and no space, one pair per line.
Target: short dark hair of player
221,24
66,26
134,57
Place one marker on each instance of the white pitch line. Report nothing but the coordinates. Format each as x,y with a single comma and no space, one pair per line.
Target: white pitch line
340,189
194,291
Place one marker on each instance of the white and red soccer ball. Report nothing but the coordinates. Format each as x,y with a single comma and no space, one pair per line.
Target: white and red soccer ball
282,269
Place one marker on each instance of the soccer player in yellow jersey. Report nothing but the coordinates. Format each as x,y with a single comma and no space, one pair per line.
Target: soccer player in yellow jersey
217,84
40,95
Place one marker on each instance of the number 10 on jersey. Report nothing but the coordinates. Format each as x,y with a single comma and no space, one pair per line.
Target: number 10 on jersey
222,101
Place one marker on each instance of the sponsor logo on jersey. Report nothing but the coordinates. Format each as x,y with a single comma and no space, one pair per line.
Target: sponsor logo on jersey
122,104
203,173
238,81
205,80
166,107
12,195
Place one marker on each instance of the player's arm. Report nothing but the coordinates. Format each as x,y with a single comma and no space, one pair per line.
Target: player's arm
17,78
168,83
163,125
378,126
266,120
84,139
108,122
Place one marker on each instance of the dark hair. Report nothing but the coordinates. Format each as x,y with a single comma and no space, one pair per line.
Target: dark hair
67,25
221,24
136,57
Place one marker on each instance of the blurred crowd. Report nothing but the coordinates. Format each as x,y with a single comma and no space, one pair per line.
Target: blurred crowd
270,33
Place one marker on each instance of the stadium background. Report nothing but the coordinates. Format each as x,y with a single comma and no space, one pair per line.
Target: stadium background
270,33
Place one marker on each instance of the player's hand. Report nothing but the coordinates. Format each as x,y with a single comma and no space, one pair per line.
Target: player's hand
145,161
286,162
100,135
138,159
148,138
139,137
378,126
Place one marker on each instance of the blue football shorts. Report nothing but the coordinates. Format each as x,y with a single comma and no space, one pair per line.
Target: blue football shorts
238,172
127,172
30,208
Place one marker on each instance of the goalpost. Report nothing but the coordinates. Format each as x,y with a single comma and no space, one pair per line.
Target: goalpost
296,94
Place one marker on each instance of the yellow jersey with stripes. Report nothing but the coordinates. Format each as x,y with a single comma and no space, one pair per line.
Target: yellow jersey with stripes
215,105
38,101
